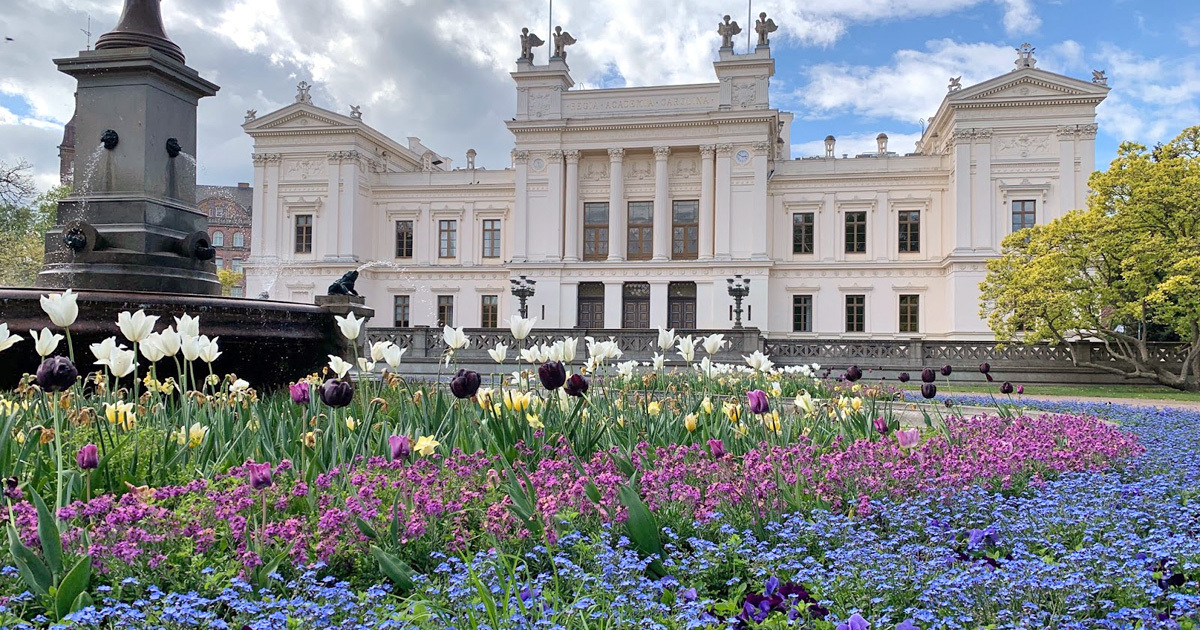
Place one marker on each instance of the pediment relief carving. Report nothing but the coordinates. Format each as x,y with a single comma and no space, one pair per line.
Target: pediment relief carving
302,119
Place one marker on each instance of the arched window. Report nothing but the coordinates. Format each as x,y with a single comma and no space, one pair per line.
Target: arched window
239,239
218,239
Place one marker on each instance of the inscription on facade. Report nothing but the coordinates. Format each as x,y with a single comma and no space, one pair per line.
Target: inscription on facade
601,106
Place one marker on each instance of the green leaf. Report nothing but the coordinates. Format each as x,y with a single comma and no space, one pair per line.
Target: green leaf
73,586
366,528
48,535
83,601
33,570
643,528
397,571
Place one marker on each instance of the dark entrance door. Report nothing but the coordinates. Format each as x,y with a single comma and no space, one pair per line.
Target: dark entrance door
636,305
591,305
681,305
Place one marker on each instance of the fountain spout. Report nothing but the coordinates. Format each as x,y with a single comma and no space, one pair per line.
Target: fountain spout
141,25
173,148
110,139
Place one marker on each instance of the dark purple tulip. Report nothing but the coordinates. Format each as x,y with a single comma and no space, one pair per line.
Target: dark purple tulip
853,373
465,384
260,475
1020,389
88,457
1006,388
928,390
946,370
717,448
904,377
880,425
553,374
11,489
576,386
928,375
336,393
984,368
758,401
401,447
301,392
56,374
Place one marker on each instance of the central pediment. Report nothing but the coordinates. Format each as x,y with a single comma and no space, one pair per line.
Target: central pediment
1031,84
300,116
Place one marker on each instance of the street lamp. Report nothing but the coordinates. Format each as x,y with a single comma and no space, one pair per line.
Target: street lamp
522,289
739,288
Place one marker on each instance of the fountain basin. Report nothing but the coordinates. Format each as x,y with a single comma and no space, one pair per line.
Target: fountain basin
266,342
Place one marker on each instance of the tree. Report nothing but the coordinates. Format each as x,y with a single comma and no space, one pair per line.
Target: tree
1125,267
228,279
24,221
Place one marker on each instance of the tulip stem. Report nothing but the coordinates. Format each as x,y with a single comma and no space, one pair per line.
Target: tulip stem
70,346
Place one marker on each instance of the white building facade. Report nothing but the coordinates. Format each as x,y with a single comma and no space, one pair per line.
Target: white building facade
631,208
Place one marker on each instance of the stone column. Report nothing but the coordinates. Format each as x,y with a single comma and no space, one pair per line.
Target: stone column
551,233
259,245
613,305
568,305
1066,170
1085,147
347,212
521,208
470,239
723,211
662,205
962,190
325,226
762,216
982,196
706,201
658,303
425,238
572,234
279,231
616,206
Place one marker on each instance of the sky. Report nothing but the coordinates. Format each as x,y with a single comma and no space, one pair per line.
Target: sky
439,69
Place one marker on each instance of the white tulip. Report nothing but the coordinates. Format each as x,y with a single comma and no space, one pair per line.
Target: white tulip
532,355
707,368
625,370
393,354
804,401
61,308
188,326
7,340
351,327
659,360
713,343
758,361
191,347
151,348
208,349
122,362
499,353
239,386
687,348
552,352
103,351
46,342
339,366
455,338
570,346
365,366
521,327
379,349
137,326
169,341
666,338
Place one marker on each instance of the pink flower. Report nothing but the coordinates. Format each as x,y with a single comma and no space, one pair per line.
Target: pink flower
88,457
758,401
908,438
260,475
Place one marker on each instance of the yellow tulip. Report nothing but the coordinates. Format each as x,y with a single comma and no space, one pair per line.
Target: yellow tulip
350,423
771,422
310,439
654,408
121,414
733,412
856,404
20,437
689,422
426,445
517,402
534,422
707,405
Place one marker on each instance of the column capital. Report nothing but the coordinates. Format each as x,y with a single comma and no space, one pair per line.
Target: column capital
724,150
555,156
762,148
572,156
708,150
662,153
267,158
520,157
616,155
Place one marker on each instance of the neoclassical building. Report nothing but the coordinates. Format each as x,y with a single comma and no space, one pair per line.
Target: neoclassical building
631,207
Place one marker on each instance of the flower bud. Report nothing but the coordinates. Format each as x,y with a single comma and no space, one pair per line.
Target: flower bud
928,390
88,457
260,475
853,373
928,375
576,386
401,446
758,401
301,393
56,374
336,393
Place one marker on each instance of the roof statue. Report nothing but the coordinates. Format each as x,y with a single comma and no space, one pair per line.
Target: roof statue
955,84
562,39
727,29
1025,57
302,95
251,115
529,41
356,112
1099,77
764,27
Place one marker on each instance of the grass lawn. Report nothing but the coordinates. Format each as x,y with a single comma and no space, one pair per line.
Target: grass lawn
1138,392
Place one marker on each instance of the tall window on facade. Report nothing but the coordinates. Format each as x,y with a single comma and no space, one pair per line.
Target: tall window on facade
641,230
910,310
856,232
685,230
445,310
856,313
636,305
491,238
802,233
591,305
219,262
239,239
447,238
218,239
237,292
489,311
237,265
681,305
304,233
802,313
910,231
595,231
404,239
1024,214
402,308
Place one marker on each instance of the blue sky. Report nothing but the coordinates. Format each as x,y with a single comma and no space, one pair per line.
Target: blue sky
439,70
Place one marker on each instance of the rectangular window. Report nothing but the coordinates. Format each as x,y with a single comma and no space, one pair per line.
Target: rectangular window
1024,214
402,305
595,231
910,310
802,232
239,240
491,238
445,310
685,230
489,311
304,233
404,239
802,313
447,238
237,265
856,232
636,305
641,230
910,231
220,262
856,307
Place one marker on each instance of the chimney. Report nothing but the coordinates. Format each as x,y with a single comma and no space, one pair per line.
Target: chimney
243,185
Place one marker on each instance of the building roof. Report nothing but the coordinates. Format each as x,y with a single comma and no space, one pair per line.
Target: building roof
242,195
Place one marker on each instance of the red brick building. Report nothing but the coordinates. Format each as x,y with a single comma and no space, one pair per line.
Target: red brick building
229,209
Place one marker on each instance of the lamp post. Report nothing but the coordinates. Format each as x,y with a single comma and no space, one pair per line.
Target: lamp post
522,289
739,288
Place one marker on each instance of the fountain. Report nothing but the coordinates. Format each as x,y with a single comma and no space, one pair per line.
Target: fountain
130,237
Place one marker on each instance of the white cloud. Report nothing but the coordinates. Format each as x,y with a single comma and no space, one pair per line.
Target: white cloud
1019,17
1152,99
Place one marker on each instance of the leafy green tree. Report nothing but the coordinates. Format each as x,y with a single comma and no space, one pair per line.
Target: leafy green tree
1121,272
25,218
228,279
